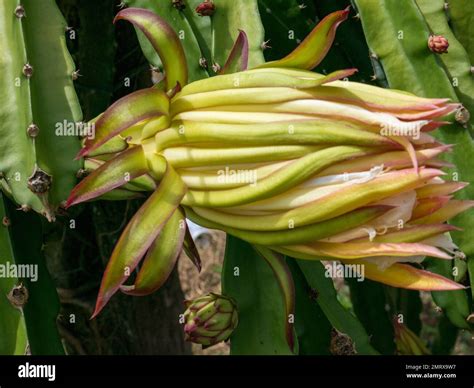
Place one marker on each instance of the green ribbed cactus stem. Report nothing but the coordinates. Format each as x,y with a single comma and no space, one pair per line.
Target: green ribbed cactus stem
39,107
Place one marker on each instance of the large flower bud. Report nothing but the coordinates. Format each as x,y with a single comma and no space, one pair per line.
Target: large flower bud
210,319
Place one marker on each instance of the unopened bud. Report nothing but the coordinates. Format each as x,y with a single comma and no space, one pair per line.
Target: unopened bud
438,44
206,8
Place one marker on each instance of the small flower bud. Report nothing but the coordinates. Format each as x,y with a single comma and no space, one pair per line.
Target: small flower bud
206,8
438,44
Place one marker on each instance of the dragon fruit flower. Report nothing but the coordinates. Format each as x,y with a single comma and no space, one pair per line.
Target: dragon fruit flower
298,163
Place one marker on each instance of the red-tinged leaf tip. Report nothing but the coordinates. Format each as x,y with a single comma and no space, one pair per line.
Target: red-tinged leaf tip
164,40
338,75
315,46
190,249
174,91
409,277
110,175
160,259
239,56
141,231
122,114
82,152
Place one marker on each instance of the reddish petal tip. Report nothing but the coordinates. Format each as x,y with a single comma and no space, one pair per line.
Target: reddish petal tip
100,304
83,152
69,203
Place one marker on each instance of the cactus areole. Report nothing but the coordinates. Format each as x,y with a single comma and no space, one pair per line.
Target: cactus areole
295,162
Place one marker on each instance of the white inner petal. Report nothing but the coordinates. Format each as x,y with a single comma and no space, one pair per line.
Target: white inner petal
383,262
403,203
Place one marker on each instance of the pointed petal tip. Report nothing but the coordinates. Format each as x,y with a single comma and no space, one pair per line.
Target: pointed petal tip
239,56
121,15
83,152
99,305
69,202
102,300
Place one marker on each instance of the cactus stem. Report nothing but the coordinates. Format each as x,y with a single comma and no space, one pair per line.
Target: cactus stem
356,16
20,12
472,69
373,77
313,294
27,70
32,130
122,5
302,6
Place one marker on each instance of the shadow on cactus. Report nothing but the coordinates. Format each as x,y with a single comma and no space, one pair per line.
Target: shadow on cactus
297,163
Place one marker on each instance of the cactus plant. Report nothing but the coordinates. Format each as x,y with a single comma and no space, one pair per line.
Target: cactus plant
29,304
12,321
456,61
40,110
